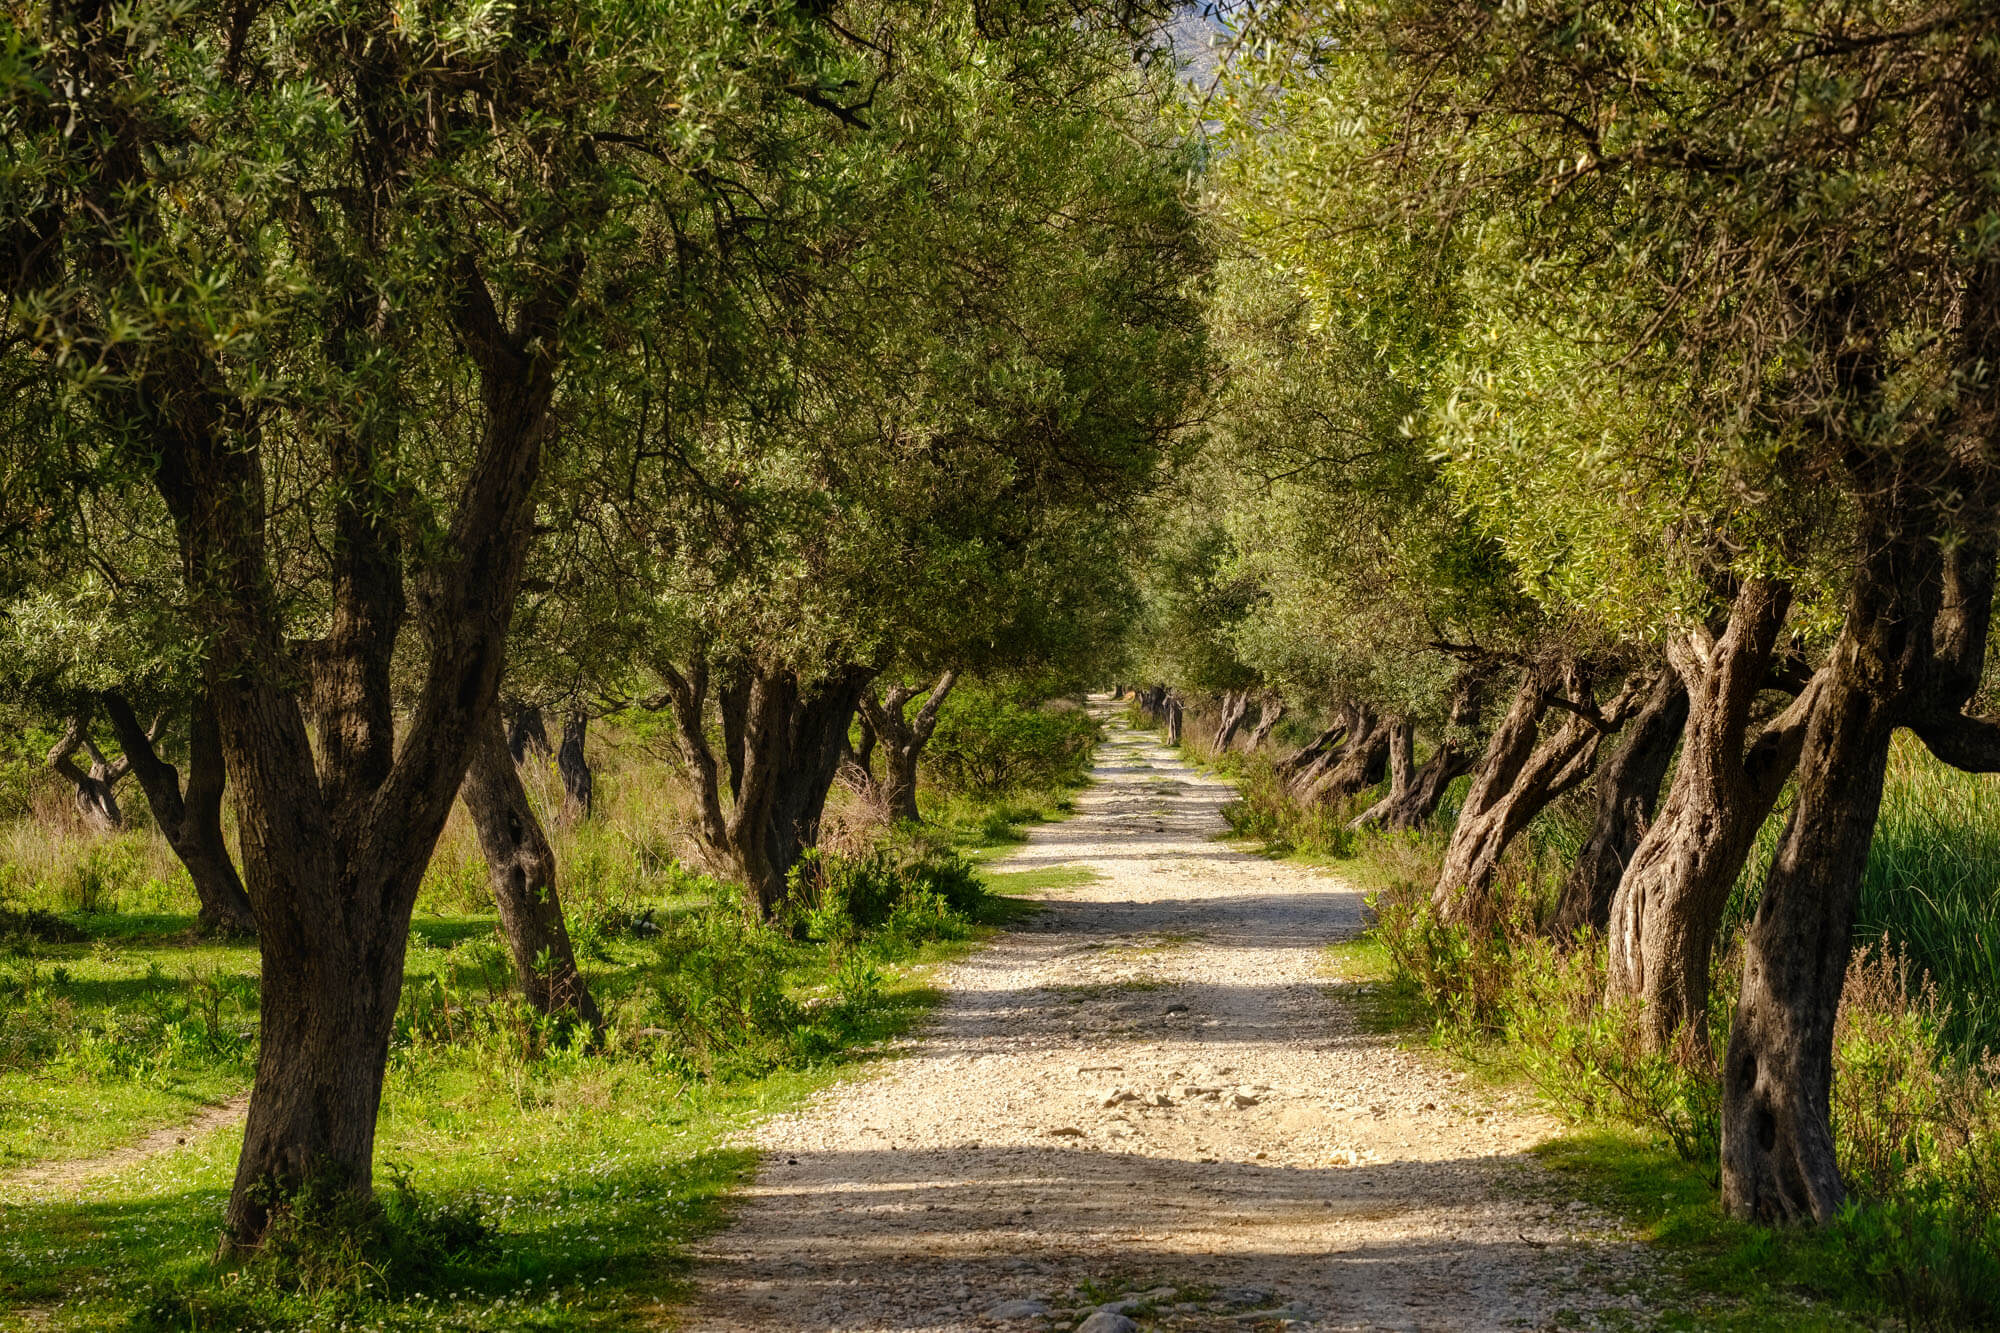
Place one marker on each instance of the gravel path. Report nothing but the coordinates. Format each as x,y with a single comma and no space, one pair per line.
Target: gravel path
1152,1101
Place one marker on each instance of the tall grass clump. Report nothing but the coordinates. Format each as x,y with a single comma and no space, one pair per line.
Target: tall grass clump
1933,887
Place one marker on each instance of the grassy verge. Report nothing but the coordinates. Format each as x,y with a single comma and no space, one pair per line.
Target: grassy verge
527,1181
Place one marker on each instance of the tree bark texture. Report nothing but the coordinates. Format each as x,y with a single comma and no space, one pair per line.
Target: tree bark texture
902,740
1269,714
1175,716
1413,799
573,766
1359,764
1669,903
190,819
1522,773
528,733
1235,712
522,867
1628,791
95,787
1911,651
792,738
1293,768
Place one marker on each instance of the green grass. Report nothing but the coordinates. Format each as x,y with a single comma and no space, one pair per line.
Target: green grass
529,1183
1720,1274
1933,886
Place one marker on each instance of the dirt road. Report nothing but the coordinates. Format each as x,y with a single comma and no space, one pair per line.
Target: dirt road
1151,1108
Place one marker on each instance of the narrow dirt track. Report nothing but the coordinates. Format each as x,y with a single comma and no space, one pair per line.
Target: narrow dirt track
1152,1098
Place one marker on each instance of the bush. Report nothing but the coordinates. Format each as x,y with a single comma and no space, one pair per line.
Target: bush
987,745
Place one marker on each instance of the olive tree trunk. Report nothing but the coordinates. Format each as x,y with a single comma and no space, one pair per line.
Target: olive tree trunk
792,733
95,787
1668,905
1523,772
1415,791
190,819
1911,652
1269,714
902,739
522,868
527,732
1628,791
573,766
1360,763
1235,712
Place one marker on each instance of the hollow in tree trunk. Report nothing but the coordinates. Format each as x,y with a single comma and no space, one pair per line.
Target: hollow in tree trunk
573,765
1669,903
1628,791
522,867
190,820
902,740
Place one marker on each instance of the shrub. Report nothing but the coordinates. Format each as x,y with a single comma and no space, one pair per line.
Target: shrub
987,744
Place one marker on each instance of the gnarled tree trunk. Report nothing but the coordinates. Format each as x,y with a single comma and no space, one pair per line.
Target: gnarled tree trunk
96,794
1413,799
1628,790
1522,773
1296,769
1911,651
522,868
902,740
1360,764
190,820
1269,714
1669,902
1175,715
792,735
573,766
1235,712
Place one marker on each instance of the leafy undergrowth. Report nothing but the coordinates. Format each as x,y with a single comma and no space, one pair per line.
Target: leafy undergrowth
1917,1130
524,1179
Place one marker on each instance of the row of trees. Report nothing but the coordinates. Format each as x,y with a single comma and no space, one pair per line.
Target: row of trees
1607,385
743,360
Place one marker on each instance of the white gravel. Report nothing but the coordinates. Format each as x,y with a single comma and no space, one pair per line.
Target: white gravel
1153,1099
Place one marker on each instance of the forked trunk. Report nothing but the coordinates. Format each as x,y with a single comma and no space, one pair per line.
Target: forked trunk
1669,903
573,766
1269,714
1523,772
1357,766
902,738
1235,712
1628,791
190,821
522,867
781,769
96,798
